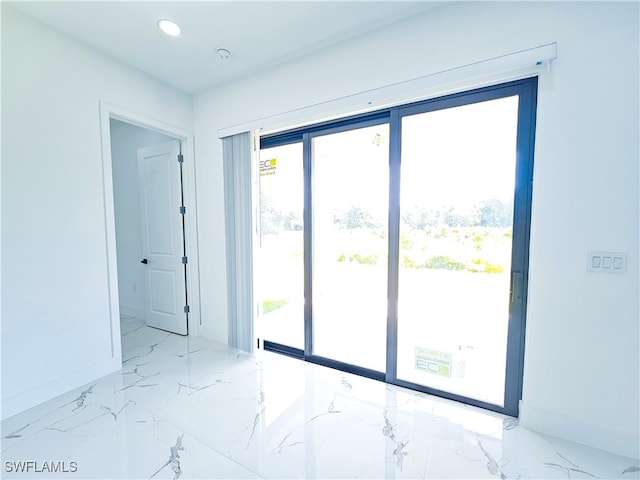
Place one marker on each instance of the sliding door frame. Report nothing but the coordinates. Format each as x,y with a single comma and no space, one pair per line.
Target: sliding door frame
355,123
526,89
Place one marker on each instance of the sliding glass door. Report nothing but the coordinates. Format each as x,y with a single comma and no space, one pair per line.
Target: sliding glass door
456,230
412,253
349,208
279,266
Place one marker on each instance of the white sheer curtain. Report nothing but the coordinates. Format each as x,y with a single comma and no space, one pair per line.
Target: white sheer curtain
238,185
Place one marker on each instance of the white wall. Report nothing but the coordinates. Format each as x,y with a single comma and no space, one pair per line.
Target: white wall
56,320
126,139
582,354
581,367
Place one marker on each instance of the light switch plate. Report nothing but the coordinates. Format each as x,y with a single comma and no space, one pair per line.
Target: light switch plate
607,262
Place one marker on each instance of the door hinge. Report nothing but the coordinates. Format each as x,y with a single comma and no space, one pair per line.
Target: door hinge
184,260
180,158
186,309
183,210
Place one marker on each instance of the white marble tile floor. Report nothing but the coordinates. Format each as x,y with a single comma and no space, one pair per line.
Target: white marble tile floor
185,407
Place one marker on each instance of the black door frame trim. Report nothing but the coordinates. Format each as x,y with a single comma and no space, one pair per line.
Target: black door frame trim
526,89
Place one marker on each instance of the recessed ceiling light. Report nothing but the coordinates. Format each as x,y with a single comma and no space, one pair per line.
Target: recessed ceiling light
223,53
169,27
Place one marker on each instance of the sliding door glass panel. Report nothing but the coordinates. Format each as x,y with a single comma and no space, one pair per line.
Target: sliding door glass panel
350,204
279,265
456,226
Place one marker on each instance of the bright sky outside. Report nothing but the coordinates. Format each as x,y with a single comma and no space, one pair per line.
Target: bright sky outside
454,157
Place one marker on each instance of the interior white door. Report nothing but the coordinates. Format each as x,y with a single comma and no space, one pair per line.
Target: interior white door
163,236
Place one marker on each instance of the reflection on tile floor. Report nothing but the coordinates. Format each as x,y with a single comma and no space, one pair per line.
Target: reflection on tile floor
185,407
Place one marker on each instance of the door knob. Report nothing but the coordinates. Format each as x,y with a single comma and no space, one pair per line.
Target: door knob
144,260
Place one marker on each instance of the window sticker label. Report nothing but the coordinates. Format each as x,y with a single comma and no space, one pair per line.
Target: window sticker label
432,361
268,167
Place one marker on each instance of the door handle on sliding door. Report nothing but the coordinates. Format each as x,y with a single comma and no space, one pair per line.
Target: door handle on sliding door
144,260
517,285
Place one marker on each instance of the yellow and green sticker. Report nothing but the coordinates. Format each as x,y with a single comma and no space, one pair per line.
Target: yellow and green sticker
268,167
433,361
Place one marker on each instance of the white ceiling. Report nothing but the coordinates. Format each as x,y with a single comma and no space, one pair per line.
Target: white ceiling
260,34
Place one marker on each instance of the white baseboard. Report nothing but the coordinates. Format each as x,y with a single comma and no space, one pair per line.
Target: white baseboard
25,400
607,438
132,311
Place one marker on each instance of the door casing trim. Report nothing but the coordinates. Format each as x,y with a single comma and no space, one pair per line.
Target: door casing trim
108,112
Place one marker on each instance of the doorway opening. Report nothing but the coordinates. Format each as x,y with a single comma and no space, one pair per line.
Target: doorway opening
150,215
395,244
